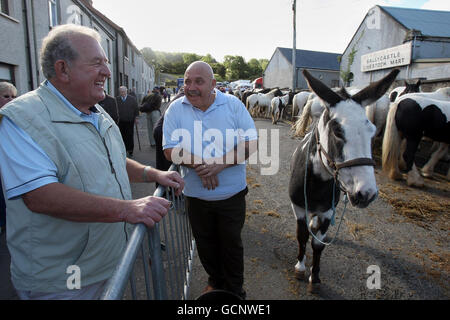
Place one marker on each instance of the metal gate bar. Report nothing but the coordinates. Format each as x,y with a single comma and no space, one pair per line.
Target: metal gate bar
165,265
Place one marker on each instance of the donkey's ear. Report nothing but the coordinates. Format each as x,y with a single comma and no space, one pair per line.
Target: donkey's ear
322,91
374,91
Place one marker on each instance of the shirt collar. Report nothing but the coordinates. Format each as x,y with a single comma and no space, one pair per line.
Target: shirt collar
219,100
66,102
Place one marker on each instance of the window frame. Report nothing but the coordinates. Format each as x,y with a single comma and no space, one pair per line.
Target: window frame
4,7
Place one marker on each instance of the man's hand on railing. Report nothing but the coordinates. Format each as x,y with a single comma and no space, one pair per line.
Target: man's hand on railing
148,210
171,179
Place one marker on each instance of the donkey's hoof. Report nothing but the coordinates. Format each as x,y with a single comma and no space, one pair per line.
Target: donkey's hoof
300,275
313,288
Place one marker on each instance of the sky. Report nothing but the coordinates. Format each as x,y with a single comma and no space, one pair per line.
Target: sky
248,28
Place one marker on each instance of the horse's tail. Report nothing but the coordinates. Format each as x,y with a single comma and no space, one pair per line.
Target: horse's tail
294,108
302,124
391,145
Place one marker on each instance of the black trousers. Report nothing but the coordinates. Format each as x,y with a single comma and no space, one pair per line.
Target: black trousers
217,226
127,131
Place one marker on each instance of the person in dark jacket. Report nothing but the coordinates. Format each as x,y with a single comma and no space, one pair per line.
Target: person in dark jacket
110,106
161,161
128,113
151,106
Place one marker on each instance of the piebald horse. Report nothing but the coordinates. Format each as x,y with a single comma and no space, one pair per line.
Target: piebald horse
336,155
412,117
377,112
278,106
408,88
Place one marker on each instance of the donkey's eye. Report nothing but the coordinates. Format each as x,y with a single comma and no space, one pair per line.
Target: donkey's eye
337,130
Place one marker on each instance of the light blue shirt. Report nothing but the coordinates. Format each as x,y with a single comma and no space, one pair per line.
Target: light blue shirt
24,165
210,134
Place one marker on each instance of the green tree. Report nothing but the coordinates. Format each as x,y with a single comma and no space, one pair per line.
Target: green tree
209,59
236,68
220,70
263,63
254,68
188,58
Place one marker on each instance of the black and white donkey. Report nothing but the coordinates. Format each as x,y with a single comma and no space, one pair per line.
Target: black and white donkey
335,156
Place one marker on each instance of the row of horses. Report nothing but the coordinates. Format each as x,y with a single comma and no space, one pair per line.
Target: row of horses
267,102
334,158
404,131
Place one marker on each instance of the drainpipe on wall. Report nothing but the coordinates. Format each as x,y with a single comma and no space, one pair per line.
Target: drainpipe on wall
36,57
27,45
408,69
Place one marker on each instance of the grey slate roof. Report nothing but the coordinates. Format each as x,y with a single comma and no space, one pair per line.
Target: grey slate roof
430,22
312,59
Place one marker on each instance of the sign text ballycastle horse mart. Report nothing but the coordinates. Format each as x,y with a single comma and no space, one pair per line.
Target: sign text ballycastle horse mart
388,58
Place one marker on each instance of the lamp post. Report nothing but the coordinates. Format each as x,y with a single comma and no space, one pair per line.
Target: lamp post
294,48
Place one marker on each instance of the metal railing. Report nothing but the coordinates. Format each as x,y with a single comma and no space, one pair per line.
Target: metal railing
166,252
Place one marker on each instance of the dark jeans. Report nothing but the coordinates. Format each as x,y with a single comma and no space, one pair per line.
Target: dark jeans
127,131
217,226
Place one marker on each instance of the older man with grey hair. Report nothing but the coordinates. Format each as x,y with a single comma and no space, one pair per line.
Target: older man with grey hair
67,178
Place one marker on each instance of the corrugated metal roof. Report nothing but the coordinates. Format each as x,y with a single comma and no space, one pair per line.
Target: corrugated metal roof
312,59
430,22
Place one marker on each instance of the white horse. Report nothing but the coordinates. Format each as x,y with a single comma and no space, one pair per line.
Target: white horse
313,110
260,100
377,113
299,102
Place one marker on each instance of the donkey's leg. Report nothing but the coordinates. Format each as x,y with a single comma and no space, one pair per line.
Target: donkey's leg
319,228
302,238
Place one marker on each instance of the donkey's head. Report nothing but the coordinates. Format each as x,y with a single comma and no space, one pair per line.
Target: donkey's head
345,135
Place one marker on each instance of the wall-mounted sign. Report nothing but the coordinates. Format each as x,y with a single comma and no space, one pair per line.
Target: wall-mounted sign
387,58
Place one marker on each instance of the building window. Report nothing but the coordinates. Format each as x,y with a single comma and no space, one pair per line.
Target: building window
108,50
52,13
4,8
125,49
126,84
7,73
